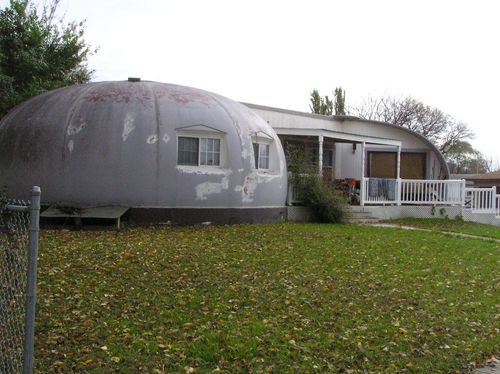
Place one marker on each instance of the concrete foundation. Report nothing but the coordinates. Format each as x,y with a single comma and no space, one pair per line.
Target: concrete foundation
411,211
485,218
216,216
304,214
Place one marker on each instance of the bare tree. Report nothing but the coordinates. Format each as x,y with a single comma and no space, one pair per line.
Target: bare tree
440,128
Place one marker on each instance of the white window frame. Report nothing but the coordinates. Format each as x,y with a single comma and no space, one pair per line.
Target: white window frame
257,158
200,136
200,139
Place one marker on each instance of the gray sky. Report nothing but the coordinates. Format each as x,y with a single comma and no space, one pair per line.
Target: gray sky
444,53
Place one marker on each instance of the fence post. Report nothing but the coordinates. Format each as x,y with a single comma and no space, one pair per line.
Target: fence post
29,325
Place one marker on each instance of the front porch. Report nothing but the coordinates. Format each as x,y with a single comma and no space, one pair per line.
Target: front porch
391,199
370,169
379,172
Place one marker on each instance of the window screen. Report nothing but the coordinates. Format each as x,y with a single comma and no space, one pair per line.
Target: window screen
261,153
382,164
256,154
187,153
209,151
263,156
327,157
413,165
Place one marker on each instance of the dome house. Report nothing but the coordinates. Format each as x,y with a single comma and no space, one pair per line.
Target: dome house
167,152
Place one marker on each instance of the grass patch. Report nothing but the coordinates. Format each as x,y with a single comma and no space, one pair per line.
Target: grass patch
277,298
471,228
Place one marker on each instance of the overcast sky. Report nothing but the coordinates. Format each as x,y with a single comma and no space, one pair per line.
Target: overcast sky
444,53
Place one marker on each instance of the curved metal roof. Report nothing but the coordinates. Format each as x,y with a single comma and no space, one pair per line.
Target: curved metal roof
439,155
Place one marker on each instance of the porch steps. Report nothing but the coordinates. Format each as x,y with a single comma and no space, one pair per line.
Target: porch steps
358,214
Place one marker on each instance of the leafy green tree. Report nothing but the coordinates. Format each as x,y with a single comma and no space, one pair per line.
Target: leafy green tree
38,52
319,104
339,101
462,158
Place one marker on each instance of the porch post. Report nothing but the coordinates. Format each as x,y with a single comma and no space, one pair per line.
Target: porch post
362,183
398,164
320,155
398,177
462,188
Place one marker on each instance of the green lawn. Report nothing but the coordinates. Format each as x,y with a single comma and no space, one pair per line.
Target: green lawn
437,224
265,298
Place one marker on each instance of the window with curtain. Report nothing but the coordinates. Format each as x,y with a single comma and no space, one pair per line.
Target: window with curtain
196,151
261,153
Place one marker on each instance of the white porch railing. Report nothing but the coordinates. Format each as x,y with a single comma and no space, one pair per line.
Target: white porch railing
444,192
380,191
413,191
482,200
497,206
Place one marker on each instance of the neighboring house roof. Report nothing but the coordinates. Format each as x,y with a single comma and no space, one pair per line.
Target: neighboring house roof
460,176
485,176
438,153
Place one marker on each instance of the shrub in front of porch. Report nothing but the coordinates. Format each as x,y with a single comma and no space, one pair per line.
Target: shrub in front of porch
328,204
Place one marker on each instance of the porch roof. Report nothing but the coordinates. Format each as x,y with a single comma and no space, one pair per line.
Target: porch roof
337,135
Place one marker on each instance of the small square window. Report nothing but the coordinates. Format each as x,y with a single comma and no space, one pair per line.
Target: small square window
198,151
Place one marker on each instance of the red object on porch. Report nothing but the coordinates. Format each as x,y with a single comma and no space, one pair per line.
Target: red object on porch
350,182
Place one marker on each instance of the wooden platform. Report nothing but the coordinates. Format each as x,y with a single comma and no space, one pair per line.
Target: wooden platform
100,212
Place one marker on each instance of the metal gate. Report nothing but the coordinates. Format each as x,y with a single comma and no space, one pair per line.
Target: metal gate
19,227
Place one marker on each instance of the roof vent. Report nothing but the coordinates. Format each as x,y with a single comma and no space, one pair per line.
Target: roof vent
132,79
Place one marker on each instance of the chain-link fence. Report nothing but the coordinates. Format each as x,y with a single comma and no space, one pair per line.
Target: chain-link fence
18,253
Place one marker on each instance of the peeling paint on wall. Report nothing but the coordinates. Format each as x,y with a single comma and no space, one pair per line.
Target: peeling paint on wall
248,188
245,154
128,125
74,130
250,185
166,138
71,146
208,188
152,139
202,171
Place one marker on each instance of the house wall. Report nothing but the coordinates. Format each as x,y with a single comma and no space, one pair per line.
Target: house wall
116,143
347,163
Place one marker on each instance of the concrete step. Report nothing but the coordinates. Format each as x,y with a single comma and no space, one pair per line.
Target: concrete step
358,214
364,221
